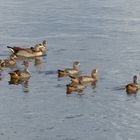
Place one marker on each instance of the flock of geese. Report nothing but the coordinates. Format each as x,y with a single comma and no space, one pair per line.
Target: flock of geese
78,82
19,76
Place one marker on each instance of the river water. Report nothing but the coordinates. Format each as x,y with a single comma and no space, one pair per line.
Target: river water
100,34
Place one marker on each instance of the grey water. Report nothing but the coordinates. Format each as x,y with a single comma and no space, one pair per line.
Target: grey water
102,34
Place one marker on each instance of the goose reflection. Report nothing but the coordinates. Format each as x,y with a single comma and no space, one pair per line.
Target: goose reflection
24,83
37,61
93,85
25,86
0,76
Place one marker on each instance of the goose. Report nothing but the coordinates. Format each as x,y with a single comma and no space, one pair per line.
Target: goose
70,71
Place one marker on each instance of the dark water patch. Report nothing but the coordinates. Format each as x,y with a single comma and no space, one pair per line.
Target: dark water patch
50,128
60,136
1,133
119,88
61,50
74,116
78,93
60,86
75,94
83,49
131,96
51,72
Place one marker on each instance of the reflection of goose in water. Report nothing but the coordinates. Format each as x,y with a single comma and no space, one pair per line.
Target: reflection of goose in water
37,61
24,83
0,75
74,88
93,84
25,86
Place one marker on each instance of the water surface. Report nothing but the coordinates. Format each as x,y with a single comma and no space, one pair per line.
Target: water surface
100,34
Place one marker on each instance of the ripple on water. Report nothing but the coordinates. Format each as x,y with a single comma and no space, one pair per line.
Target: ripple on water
50,72
74,116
